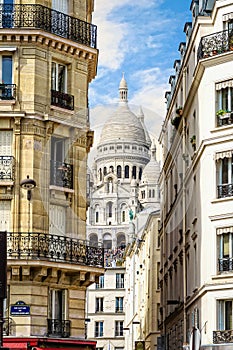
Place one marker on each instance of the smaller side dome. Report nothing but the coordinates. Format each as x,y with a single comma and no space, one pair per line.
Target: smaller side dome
151,171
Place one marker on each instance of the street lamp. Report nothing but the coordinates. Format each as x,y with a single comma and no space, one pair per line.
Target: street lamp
28,184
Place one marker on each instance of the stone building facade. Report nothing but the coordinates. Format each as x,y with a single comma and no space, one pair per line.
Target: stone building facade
48,58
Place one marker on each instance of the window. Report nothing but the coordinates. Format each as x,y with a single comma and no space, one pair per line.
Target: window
96,216
224,103
119,171
101,283
5,215
134,172
118,328
99,326
123,216
99,302
224,174
59,77
119,280
119,304
109,209
58,304
126,171
7,90
225,314
57,219
225,248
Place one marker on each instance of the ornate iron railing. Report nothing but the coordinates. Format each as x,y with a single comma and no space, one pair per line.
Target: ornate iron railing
8,326
58,328
215,44
61,174
41,17
225,264
7,91
7,166
225,191
32,245
225,336
62,100
226,119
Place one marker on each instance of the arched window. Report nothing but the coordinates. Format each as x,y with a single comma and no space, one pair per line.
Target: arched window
97,213
107,241
140,173
134,172
123,216
126,172
111,169
109,210
105,171
121,240
153,193
119,171
100,174
149,193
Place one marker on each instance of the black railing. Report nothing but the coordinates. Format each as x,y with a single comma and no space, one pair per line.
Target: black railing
7,165
226,119
225,264
119,309
215,44
34,245
7,91
62,100
40,17
58,328
225,190
61,174
225,336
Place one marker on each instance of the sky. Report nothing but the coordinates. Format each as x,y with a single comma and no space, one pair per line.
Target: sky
140,38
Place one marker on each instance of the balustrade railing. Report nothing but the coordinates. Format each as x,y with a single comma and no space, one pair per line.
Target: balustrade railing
59,328
61,174
225,264
62,100
44,246
7,165
225,190
225,336
7,91
215,44
41,17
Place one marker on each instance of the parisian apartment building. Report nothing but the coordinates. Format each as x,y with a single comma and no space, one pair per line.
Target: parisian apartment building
196,271
48,58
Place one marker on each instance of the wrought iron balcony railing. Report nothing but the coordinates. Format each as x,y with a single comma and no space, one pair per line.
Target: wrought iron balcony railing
226,119
225,264
61,174
62,100
7,91
225,336
7,166
58,328
215,44
119,309
225,190
36,16
32,245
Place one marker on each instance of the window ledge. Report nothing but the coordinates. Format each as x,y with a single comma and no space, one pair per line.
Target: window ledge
224,275
220,128
68,111
6,183
219,200
7,102
62,189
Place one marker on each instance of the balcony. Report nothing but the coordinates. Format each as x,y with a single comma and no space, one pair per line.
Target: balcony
7,164
34,246
225,264
225,190
7,92
215,44
35,16
62,100
58,328
61,174
225,336
225,119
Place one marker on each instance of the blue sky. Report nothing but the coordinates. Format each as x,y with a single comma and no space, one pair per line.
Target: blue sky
140,38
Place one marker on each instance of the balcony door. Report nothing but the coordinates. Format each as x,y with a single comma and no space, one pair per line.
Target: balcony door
61,6
60,18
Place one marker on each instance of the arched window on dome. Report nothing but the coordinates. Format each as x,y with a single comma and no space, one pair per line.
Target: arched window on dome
109,185
100,175
126,172
140,174
134,172
109,210
119,171
97,213
93,240
105,171
153,193
111,169
123,216
149,193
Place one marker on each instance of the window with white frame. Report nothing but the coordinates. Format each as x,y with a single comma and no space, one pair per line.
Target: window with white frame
99,304
119,280
225,248
224,106
101,283
57,219
5,215
99,329
224,314
119,304
58,304
119,328
224,168
6,142
59,77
